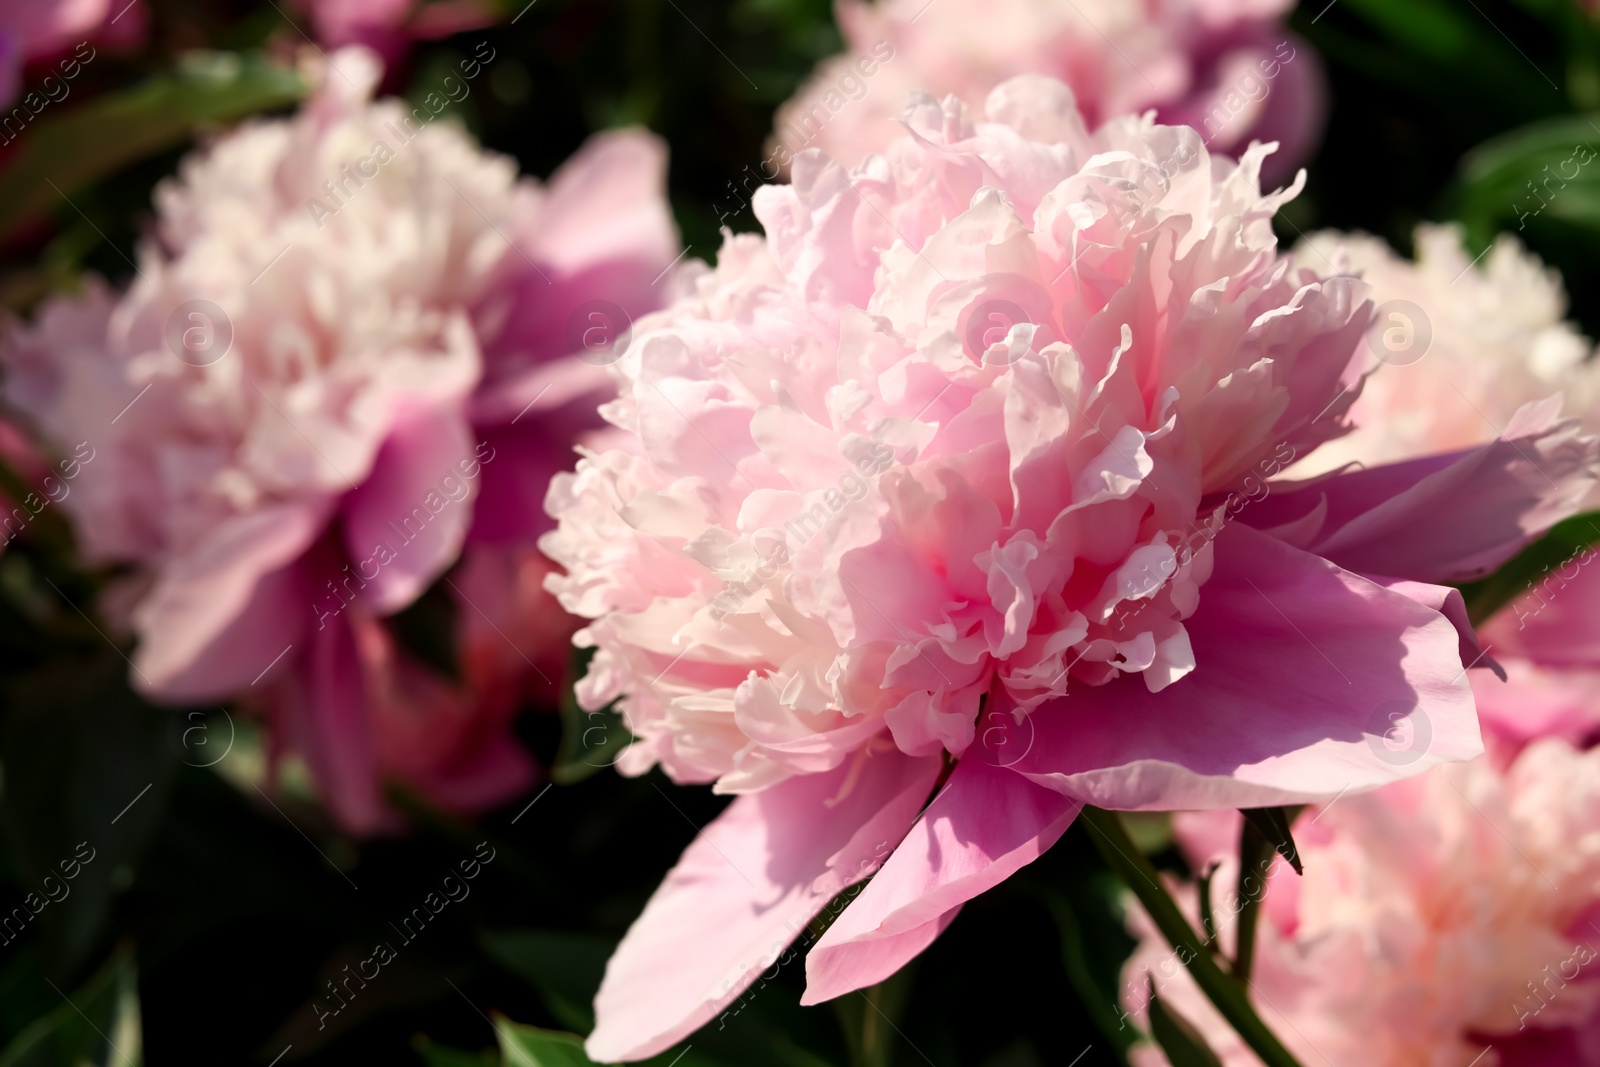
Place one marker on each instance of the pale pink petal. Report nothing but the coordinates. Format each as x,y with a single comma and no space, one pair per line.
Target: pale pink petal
743,891
983,827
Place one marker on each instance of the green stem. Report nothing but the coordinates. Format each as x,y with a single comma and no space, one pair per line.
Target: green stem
1255,860
1227,994
1208,921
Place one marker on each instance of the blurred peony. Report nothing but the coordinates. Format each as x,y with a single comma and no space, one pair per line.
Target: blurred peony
1456,348
389,26
1438,918
32,30
1228,68
332,373
944,467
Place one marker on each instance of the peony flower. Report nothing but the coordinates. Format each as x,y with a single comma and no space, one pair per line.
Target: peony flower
955,466
1458,346
1229,68
1447,920
343,361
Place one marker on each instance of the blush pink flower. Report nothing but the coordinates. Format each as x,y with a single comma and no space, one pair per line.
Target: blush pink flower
1437,918
344,359
953,465
1229,68
1458,346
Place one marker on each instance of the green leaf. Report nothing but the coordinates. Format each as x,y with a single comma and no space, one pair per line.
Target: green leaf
1445,53
1539,175
564,966
1177,1037
529,1046
1273,825
435,1055
82,145
1536,569
87,769
97,1026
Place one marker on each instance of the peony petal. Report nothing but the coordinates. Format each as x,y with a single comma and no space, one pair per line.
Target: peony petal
1307,673
1449,603
1448,518
744,890
219,614
405,524
981,829
322,706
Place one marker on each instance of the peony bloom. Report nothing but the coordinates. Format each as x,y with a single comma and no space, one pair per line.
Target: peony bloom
341,363
1457,347
1228,68
955,466
1438,917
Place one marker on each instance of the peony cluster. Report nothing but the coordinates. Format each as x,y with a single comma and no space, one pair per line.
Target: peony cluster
1228,68
1447,920
343,365
964,475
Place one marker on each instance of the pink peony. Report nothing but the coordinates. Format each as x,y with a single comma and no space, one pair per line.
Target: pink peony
1438,918
1457,346
942,469
1229,68
332,373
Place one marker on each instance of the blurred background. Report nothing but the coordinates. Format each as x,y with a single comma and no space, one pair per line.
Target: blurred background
210,920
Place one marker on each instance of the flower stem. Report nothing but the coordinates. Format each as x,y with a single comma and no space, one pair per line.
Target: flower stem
1255,863
1223,990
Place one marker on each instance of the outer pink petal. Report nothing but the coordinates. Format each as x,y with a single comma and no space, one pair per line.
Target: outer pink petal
1448,602
323,705
984,827
218,615
1308,681
744,890
1447,518
607,203
405,505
